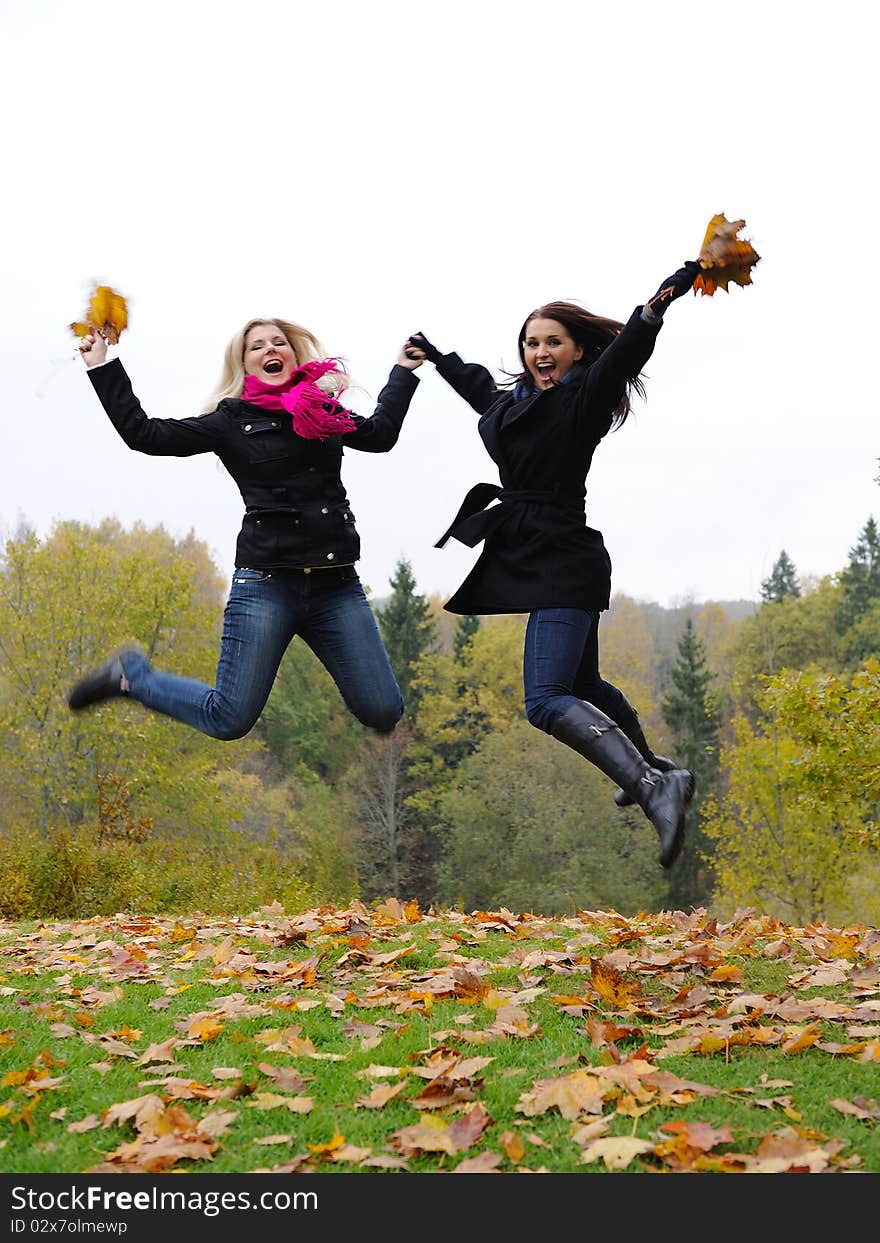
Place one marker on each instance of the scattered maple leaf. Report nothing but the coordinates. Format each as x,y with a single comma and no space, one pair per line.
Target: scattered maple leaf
724,257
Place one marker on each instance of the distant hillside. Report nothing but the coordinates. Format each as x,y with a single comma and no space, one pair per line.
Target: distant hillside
666,624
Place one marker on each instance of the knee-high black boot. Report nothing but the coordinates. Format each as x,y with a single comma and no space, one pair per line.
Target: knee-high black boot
627,718
663,797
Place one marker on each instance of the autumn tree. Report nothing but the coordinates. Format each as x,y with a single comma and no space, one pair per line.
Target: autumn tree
379,786
797,831
406,626
532,826
306,724
782,582
65,602
796,633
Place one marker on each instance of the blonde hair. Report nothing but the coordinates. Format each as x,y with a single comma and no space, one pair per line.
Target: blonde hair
305,345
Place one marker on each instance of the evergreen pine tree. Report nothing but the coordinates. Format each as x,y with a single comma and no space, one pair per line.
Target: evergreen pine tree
861,578
465,629
782,582
690,711
406,627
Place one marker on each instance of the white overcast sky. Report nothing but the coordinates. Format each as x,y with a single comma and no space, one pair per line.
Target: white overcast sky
372,169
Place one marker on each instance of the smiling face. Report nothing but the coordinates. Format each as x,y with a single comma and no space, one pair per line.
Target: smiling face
549,351
268,354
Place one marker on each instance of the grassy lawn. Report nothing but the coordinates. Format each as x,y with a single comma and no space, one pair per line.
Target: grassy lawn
386,1039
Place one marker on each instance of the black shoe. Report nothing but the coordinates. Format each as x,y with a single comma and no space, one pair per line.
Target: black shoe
663,797
104,682
660,762
665,807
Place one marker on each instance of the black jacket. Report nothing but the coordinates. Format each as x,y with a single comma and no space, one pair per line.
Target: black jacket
538,551
296,511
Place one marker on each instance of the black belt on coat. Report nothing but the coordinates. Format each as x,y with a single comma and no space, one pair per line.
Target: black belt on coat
474,522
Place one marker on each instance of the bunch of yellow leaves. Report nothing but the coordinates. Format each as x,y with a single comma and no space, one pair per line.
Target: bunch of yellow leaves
724,257
107,313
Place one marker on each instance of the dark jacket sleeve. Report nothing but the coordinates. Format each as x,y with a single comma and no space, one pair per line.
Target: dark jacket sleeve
158,437
620,361
471,381
380,431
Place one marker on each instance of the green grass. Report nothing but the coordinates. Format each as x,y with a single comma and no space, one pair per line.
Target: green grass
82,1001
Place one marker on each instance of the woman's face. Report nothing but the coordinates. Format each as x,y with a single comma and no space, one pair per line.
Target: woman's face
549,351
268,354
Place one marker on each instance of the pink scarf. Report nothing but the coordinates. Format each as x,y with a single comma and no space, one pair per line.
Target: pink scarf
316,415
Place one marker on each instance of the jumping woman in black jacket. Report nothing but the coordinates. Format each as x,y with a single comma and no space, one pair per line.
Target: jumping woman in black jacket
539,556
280,434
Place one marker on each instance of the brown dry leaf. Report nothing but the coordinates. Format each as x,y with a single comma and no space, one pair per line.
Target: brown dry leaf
429,1134
610,984
380,1095
384,1161
802,1039
271,1100
204,1029
573,1095
85,1124
859,1107
615,1153
485,1163
140,1108
724,257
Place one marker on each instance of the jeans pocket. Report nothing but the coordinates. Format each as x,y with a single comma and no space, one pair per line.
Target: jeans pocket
244,574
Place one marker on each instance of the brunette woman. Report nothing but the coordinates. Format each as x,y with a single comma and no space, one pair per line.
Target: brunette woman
277,427
579,372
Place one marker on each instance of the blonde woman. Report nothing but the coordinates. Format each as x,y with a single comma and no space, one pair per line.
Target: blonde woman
278,428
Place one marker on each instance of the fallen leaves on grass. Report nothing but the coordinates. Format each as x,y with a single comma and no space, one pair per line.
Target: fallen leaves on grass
635,993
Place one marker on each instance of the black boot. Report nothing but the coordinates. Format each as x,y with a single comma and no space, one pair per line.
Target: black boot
628,720
663,797
103,682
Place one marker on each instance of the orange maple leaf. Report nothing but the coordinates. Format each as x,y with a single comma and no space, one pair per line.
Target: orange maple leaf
724,257
107,312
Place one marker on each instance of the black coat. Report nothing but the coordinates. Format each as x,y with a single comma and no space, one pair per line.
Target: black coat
539,551
297,514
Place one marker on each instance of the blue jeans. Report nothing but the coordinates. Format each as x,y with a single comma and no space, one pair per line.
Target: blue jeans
561,667
265,610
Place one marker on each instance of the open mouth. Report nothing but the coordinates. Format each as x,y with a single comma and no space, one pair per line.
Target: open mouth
273,366
545,370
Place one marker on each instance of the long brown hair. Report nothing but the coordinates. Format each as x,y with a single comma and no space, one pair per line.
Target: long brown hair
593,333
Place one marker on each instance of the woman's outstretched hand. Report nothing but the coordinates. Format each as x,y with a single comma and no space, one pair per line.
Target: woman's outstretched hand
93,348
421,347
410,357
674,286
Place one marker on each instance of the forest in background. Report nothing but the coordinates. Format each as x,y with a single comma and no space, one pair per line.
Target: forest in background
774,704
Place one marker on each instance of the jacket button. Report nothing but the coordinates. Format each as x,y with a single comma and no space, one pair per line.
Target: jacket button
247,427
330,556
324,510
